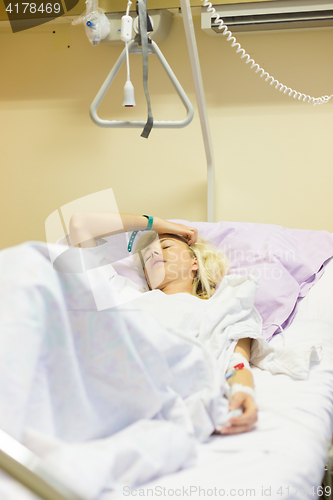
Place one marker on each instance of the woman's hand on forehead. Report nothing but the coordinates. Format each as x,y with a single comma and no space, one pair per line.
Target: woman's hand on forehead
165,227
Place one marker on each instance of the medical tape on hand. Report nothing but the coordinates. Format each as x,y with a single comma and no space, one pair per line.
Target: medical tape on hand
240,388
237,358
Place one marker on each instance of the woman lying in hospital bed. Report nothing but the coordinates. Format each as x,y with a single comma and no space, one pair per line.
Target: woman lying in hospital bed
191,294
94,372
178,263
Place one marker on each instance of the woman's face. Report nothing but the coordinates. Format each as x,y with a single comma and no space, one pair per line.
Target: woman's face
168,259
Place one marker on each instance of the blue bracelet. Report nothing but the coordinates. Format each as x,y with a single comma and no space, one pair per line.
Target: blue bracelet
150,225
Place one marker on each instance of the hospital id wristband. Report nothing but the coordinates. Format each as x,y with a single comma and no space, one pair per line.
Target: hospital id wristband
150,222
148,228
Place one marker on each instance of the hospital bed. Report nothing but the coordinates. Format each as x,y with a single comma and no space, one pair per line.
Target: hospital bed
285,456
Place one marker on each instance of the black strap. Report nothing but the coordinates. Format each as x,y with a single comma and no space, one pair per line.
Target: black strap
144,42
149,25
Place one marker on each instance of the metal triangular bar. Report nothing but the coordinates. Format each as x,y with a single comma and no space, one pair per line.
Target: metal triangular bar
134,48
31,471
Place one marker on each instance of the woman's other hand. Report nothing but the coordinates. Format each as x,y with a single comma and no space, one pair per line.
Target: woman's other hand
162,226
244,422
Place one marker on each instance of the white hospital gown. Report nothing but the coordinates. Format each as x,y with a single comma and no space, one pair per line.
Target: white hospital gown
217,323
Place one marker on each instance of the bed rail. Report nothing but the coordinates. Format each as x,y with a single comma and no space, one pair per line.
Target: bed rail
27,468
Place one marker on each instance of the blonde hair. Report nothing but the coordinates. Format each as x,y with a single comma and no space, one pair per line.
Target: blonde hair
213,264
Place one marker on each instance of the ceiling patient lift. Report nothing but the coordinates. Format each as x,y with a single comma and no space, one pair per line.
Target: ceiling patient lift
200,96
134,47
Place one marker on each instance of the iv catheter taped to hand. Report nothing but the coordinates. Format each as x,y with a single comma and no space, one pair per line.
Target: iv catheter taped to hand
232,372
237,358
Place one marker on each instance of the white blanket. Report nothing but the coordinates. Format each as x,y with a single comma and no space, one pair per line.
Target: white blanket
105,397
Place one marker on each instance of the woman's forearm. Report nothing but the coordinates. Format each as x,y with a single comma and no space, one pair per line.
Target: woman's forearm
85,227
242,397
244,376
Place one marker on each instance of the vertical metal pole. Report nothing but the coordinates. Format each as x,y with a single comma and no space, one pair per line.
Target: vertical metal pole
200,95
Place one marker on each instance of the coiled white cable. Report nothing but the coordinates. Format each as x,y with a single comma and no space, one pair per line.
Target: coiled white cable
278,86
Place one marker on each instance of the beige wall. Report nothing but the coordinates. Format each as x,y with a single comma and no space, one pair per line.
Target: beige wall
273,154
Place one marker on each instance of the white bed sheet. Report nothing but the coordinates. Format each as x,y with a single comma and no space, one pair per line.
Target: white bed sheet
284,457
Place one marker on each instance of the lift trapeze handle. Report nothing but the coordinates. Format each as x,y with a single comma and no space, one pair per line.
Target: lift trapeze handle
133,47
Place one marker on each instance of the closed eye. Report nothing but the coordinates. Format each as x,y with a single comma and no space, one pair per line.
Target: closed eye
147,258
150,255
